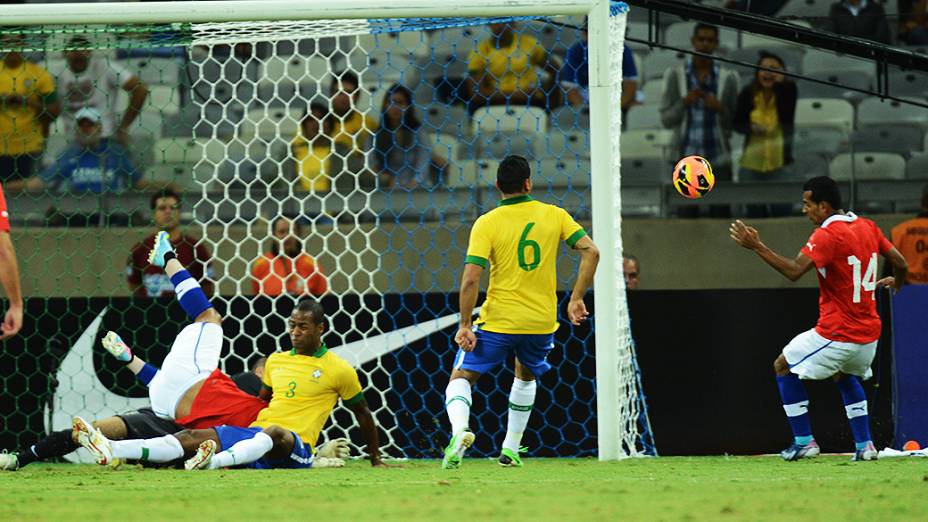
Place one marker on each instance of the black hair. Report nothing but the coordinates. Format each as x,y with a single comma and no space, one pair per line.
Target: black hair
512,172
403,136
824,190
257,361
708,27
296,228
164,193
761,56
633,258
311,306
345,76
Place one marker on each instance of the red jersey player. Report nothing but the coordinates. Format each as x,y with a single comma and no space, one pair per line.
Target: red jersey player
9,276
843,250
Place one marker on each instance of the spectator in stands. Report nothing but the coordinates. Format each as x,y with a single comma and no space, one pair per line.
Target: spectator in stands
632,270
285,268
765,113
92,164
698,103
913,22
861,18
28,105
502,71
575,78
351,129
911,238
151,281
402,150
93,81
311,149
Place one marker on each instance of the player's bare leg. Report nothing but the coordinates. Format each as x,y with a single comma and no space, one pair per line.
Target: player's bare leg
521,402
457,404
796,405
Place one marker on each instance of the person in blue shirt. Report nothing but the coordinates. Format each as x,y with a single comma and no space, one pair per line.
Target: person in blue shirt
574,75
78,168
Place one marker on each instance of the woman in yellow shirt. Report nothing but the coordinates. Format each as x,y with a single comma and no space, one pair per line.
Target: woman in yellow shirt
502,70
764,113
311,148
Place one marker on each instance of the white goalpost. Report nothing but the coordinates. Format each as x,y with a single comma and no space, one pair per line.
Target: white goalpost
389,254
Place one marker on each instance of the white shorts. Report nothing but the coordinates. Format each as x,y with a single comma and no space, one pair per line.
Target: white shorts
194,355
811,356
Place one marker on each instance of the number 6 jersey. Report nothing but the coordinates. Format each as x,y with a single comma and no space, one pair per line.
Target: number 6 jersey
845,250
520,240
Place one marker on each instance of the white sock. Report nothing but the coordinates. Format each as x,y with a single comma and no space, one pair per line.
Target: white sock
521,400
243,452
161,449
457,403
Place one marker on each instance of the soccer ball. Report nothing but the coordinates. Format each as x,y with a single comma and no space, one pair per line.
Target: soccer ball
693,177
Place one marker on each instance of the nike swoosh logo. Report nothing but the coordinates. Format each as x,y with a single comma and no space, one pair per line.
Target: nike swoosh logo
81,393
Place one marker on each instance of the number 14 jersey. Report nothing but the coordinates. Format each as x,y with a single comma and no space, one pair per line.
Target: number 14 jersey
519,240
845,250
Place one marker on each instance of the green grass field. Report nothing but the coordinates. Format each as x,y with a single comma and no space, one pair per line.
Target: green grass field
669,488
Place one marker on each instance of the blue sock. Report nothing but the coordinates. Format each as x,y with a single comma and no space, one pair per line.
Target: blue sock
189,294
796,405
855,405
147,373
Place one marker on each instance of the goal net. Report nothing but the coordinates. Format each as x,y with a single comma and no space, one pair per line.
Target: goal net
344,158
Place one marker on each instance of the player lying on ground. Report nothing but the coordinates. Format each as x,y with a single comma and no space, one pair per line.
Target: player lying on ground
843,249
303,386
519,241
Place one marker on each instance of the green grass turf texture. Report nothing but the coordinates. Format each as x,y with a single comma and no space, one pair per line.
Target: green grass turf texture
668,488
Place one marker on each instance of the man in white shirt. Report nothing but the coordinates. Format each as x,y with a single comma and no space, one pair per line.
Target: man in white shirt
94,81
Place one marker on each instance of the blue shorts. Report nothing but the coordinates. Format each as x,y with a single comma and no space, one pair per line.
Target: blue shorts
300,457
493,348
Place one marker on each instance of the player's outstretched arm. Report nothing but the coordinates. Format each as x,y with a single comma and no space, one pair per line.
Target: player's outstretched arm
589,260
369,429
9,278
467,300
749,238
900,269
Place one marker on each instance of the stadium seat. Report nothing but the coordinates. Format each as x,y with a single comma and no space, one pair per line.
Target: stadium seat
503,119
908,83
816,61
162,98
901,139
177,150
446,119
807,165
806,9
180,174
866,165
566,144
472,173
825,112
573,173
643,117
917,167
640,171
645,144
155,71
447,146
281,93
657,62
270,122
839,80
381,65
874,110
652,91
571,119
827,141
639,31
679,34
498,145
459,41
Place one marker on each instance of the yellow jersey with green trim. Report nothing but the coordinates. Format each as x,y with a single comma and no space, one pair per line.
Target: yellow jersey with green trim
305,389
519,241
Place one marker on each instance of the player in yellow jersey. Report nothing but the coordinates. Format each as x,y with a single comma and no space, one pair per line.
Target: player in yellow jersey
518,242
303,385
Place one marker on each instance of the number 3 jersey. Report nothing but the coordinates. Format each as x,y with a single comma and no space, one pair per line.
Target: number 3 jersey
520,240
845,250
305,389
